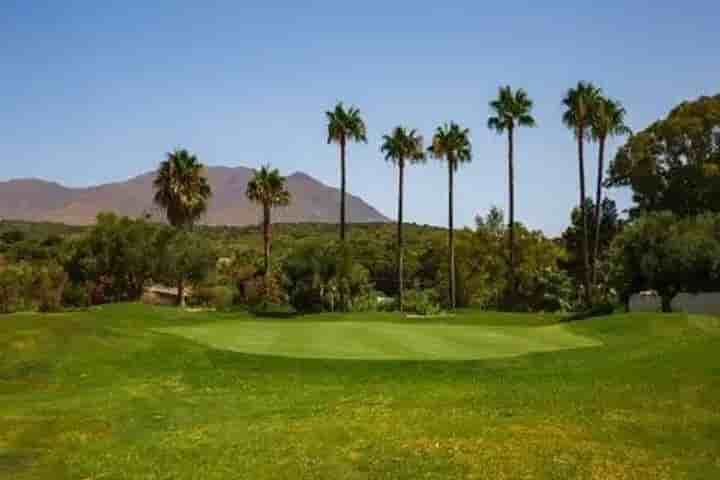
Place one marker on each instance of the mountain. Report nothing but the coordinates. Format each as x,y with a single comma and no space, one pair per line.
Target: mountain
312,201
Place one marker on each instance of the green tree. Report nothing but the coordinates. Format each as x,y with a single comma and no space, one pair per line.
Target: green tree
511,110
669,254
268,189
185,256
608,121
580,103
116,257
344,126
400,147
451,143
182,190
610,226
674,164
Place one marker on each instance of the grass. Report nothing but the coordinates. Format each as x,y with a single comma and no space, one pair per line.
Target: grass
358,339
130,391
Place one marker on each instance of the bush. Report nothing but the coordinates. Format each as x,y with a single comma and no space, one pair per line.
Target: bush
48,285
76,295
422,302
14,280
599,310
219,297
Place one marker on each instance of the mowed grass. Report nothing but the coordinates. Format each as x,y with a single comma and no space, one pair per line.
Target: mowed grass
112,394
381,340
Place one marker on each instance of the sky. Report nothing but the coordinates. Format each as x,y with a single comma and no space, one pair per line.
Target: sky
93,92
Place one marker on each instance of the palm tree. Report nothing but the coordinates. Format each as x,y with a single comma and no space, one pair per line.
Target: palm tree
580,103
451,143
268,189
512,110
400,147
608,121
182,190
343,126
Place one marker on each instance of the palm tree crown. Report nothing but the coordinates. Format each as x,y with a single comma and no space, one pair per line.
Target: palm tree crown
511,110
608,119
345,125
580,103
451,143
181,188
402,146
267,188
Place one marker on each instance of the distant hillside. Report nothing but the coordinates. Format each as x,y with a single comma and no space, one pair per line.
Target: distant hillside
40,200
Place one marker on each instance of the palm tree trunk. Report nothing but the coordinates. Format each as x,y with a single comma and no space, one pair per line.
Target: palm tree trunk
598,208
181,292
451,239
400,246
511,220
342,190
583,211
266,239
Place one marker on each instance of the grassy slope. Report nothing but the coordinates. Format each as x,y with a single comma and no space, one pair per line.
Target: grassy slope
100,395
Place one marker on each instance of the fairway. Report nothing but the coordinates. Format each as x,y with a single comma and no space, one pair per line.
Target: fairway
131,392
358,340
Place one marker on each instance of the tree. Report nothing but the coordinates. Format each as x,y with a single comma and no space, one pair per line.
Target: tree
669,254
608,120
182,190
185,256
343,126
511,110
452,144
400,147
580,103
115,258
268,189
610,226
674,164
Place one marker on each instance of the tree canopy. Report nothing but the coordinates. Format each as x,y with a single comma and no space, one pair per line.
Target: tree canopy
674,164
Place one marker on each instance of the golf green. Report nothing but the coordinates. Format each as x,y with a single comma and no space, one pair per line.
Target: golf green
359,340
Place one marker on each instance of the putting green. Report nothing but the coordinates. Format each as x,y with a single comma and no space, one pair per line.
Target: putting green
381,340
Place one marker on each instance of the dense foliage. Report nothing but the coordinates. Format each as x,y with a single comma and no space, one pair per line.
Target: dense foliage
669,254
674,164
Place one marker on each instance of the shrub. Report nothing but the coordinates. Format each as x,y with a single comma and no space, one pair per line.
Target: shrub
422,302
599,310
14,280
48,285
219,297
76,295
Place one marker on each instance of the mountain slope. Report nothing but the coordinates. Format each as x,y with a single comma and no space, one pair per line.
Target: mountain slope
40,200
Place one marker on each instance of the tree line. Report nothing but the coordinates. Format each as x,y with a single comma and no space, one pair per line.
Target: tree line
673,165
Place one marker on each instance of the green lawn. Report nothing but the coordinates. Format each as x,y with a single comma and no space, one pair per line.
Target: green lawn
356,339
130,391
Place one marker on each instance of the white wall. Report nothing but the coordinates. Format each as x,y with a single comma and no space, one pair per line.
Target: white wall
645,302
701,303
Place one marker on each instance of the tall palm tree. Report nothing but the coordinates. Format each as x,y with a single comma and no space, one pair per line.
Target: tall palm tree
344,126
400,147
451,143
608,121
268,189
182,190
511,110
580,103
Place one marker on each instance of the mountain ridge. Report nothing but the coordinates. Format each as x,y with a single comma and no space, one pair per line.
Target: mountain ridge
37,199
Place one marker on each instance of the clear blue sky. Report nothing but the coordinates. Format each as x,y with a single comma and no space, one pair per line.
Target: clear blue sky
92,93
